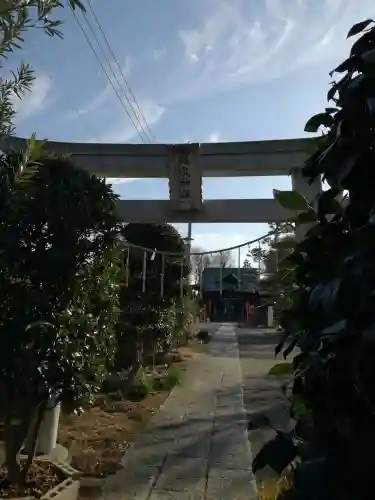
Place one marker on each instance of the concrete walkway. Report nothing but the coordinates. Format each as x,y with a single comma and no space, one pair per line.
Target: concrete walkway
197,445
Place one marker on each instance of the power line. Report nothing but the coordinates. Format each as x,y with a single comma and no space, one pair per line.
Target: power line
93,33
149,130
148,137
109,78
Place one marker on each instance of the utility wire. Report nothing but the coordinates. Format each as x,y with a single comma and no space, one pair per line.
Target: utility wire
149,130
92,30
109,78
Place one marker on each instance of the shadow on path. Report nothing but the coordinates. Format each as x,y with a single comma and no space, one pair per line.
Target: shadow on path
262,393
183,453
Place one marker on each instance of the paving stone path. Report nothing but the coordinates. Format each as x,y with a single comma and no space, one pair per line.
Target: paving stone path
197,446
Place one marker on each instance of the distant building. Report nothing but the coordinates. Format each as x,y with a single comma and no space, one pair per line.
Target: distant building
232,294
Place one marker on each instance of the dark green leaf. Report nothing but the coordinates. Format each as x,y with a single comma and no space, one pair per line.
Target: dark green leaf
285,244
328,204
369,56
39,324
297,389
293,342
331,110
317,121
363,44
291,261
277,454
332,91
308,217
297,360
259,421
357,28
348,65
291,200
304,429
368,334
335,328
323,295
281,369
281,344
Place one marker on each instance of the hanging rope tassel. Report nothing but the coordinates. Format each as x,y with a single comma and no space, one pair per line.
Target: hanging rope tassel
127,267
144,271
162,275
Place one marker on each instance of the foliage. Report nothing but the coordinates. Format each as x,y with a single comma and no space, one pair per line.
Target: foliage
223,259
145,383
281,369
330,314
16,176
216,259
246,264
149,320
142,385
187,313
59,270
17,17
264,252
204,336
164,238
273,488
170,379
198,263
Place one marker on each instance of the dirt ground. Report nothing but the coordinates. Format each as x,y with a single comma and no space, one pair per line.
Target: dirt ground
97,439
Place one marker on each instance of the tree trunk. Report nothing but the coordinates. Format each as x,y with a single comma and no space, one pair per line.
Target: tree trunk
15,435
33,432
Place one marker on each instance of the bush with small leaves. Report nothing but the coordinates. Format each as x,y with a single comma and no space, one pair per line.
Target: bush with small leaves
60,269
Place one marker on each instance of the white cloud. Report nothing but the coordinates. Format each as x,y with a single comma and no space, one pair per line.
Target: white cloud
35,100
231,43
124,130
158,54
208,241
91,105
237,42
116,74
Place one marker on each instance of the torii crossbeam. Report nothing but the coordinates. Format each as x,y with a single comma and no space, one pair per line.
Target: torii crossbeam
231,159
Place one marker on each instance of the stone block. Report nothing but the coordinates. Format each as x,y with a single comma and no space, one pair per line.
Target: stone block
130,483
230,485
177,495
183,474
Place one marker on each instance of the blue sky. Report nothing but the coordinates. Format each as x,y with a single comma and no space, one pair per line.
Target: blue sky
201,70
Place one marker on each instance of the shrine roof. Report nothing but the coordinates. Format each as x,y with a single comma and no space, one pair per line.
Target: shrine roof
246,278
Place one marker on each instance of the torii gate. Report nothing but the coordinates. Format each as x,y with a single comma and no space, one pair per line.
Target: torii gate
185,165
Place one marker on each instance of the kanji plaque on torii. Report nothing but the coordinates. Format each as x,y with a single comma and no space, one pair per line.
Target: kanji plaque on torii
185,177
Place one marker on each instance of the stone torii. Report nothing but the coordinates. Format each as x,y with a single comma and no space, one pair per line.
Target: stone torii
185,165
